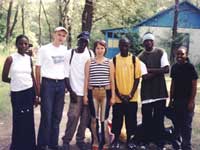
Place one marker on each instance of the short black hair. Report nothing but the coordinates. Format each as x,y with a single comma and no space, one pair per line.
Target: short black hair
20,37
126,40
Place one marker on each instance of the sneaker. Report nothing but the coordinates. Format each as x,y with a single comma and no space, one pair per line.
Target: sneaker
143,146
55,147
81,145
131,146
42,147
115,145
95,147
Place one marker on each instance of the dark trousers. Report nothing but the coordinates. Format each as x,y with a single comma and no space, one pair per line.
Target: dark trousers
129,111
153,121
77,113
52,102
23,133
183,127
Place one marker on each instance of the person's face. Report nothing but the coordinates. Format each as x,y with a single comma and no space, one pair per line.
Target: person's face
181,55
124,47
148,45
22,45
60,37
100,50
82,44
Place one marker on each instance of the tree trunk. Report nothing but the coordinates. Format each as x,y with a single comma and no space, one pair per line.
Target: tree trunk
39,23
15,20
87,15
174,32
64,19
23,25
7,36
45,14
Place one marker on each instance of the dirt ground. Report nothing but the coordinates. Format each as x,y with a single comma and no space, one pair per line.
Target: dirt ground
5,128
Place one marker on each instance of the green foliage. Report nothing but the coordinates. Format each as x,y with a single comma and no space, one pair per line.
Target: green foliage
136,46
4,89
2,24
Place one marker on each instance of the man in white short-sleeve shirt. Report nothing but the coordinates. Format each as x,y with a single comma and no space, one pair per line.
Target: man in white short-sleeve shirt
153,90
75,85
51,71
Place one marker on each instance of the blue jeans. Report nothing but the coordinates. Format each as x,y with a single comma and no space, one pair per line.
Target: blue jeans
52,103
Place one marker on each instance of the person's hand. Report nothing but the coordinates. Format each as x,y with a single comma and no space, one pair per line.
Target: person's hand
112,101
73,97
191,106
37,101
125,99
171,103
85,100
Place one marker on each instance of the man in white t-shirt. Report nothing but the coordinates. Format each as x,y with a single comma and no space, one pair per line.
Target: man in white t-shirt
75,85
51,69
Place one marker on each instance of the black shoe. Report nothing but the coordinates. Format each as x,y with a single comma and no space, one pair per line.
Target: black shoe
39,147
65,146
82,145
131,146
115,145
55,147
143,146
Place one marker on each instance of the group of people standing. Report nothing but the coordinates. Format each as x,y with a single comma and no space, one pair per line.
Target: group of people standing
96,83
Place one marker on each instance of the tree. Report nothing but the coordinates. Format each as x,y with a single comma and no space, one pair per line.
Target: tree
23,18
87,15
174,32
64,18
8,24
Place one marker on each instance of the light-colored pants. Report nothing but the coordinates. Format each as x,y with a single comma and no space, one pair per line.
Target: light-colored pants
99,99
76,111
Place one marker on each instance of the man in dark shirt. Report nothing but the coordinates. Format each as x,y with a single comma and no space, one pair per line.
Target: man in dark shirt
182,98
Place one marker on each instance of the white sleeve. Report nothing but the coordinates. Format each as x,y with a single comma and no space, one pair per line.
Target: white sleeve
143,68
39,57
67,65
164,60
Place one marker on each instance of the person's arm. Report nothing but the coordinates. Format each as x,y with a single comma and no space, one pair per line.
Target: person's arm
171,92
6,69
135,86
38,79
191,103
112,83
37,101
157,71
164,67
86,80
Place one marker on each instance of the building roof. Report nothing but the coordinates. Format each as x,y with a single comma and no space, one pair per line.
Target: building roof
188,18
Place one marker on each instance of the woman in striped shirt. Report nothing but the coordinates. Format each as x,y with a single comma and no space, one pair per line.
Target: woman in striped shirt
99,92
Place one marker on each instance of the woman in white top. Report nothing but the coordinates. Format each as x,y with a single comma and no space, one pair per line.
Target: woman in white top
17,71
99,93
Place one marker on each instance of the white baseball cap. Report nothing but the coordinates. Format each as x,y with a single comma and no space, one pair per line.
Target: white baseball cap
60,29
148,36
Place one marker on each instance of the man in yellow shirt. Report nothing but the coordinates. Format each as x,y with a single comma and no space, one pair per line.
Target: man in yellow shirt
127,76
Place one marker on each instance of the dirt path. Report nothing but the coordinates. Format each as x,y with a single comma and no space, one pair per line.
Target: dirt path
6,128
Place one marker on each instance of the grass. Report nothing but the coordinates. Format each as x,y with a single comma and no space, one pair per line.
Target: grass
4,91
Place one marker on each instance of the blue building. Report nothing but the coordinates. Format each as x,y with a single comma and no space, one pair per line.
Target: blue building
161,26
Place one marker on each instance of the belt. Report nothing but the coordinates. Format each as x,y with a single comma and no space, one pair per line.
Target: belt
100,87
53,80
